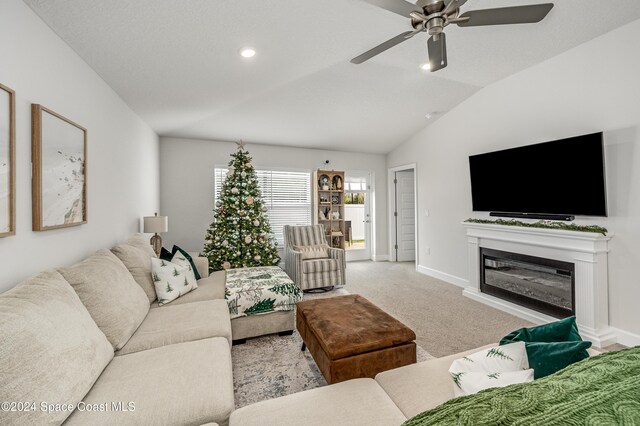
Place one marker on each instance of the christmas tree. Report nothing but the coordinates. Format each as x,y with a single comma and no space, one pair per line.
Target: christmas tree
240,235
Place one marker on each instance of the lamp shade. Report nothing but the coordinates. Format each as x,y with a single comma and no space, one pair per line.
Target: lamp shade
156,224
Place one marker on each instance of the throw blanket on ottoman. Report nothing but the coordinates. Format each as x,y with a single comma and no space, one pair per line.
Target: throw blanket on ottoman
260,290
603,390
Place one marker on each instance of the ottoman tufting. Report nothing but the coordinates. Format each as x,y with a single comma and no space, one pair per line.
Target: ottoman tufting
349,337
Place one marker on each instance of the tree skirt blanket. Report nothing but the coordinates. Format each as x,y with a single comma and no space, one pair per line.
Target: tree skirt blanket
258,290
603,390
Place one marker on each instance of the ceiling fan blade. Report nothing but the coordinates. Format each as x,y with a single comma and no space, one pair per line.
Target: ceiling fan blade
452,5
506,15
401,7
437,47
382,47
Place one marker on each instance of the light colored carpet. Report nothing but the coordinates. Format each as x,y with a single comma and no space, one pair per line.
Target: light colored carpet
445,321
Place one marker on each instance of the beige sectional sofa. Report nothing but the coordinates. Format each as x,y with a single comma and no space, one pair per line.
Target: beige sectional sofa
392,398
87,344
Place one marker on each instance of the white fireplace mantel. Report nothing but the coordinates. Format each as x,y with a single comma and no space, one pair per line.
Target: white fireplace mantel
588,251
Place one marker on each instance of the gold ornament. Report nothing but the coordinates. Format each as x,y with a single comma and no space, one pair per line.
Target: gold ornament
226,265
249,200
247,239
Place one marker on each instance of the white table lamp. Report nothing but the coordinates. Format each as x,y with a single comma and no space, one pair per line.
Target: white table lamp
156,224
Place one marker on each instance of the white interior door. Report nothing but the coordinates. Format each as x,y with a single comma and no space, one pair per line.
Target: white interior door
406,216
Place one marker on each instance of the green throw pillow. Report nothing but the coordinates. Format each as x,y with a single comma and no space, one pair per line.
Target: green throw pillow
551,347
165,254
189,258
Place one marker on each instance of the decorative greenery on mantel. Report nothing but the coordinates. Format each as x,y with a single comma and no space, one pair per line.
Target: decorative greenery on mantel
547,224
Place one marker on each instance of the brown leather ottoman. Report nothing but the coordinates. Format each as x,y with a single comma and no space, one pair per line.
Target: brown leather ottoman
349,337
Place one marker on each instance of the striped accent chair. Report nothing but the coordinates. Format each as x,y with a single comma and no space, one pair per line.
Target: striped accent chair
312,273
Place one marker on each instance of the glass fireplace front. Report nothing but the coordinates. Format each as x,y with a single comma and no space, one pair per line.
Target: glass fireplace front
544,285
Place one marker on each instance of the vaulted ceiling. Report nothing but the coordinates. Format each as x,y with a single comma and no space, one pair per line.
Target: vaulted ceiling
176,63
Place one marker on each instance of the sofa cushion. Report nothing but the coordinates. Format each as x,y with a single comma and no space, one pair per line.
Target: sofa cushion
142,242
138,262
184,384
209,288
354,402
422,386
172,279
51,350
181,323
319,265
113,298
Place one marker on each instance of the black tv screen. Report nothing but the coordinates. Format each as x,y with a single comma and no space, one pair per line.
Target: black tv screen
563,177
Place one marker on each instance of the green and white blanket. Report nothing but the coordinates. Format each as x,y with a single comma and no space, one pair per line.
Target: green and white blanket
600,391
259,290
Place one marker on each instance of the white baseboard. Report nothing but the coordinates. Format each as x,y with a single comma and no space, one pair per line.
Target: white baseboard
380,258
451,279
626,338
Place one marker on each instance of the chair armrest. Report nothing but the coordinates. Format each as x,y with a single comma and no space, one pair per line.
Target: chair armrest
337,253
202,264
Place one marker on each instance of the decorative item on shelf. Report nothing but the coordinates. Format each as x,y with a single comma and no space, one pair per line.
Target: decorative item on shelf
336,242
327,213
321,215
324,200
155,225
335,215
323,182
7,162
59,152
336,183
335,199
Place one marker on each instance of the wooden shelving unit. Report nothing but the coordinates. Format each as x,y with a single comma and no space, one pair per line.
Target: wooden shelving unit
328,201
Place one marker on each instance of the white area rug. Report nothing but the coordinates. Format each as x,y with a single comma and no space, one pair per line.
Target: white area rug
272,366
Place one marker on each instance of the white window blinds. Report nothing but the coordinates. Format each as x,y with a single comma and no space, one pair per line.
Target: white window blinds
287,195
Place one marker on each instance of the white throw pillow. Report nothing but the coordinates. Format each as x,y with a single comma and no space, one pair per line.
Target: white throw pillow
320,251
491,368
172,279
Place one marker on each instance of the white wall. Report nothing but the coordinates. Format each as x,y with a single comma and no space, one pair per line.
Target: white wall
594,87
186,179
123,182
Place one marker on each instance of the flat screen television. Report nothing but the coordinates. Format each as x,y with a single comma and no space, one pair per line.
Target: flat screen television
564,178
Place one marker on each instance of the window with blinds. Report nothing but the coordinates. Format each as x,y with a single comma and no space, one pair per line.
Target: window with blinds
287,195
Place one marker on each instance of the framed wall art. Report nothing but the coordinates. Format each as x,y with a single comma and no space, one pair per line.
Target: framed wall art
59,161
7,162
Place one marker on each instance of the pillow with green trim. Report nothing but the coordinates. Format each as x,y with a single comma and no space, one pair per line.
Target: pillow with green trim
189,258
172,279
551,347
165,254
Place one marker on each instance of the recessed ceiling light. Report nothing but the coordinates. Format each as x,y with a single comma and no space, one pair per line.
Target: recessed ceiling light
247,52
425,67
430,115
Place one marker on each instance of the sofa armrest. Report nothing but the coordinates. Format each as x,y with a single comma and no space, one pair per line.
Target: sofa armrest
202,264
293,265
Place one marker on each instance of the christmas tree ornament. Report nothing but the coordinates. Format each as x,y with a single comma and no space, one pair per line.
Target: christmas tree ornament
257,257
247,239
218,203
264,209
226,265
234,190
225,243
241,213
243,174
249,200
256,222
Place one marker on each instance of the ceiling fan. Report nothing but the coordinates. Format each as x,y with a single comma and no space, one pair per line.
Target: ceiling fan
432,16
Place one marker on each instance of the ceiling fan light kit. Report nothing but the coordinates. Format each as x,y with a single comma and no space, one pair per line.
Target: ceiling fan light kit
432,16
